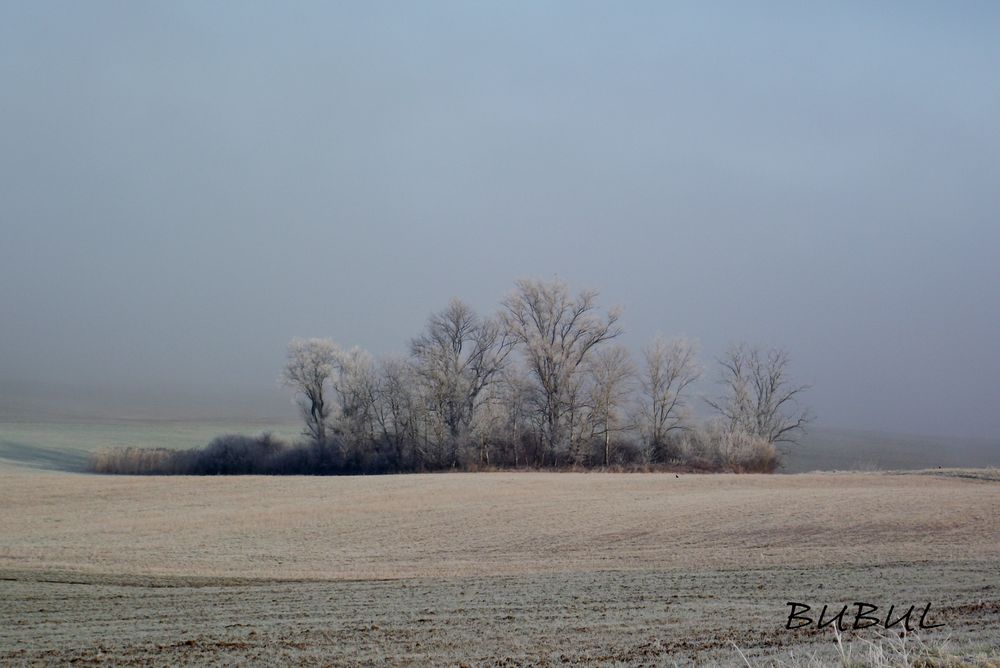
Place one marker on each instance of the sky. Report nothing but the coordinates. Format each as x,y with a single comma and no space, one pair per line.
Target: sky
186,186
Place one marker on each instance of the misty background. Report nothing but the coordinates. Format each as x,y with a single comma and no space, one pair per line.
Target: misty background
186,186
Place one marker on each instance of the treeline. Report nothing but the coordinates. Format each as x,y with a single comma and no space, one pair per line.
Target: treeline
540,384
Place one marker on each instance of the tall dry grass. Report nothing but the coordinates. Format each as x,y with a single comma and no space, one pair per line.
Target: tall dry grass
886,651
225,455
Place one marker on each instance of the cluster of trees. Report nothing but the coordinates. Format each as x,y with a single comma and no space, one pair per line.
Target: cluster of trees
541,383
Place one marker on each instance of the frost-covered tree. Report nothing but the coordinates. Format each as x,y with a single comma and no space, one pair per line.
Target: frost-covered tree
308,372
514,403
355,383
557,333
456,357
670,369
611,376
462,398
396,409
758,396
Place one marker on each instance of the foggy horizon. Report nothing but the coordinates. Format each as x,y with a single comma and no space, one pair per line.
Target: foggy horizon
184,188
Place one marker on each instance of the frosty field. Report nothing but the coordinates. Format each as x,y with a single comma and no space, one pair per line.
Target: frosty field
508,568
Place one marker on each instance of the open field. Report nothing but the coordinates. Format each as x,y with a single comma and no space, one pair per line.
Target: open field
446,525
514,568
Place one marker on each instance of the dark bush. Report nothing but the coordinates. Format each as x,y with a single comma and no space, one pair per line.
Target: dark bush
231,454
237,455
626,453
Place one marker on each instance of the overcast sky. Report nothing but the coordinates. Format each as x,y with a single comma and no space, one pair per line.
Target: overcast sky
186,186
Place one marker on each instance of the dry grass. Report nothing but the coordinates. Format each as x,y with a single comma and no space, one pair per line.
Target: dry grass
884,650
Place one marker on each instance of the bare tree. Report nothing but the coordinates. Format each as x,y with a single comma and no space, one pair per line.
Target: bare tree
517,400
758,397
557,333
355,383
611,374
457,356
396,410
308,371
670,369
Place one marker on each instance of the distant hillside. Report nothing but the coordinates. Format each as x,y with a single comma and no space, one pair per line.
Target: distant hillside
824,449
41,402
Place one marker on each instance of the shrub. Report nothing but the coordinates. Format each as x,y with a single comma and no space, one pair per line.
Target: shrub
140,461
626,453
698,449
225,455
237,455
714,449
741,452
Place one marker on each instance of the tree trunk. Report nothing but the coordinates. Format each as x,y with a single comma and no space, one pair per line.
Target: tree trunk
607,448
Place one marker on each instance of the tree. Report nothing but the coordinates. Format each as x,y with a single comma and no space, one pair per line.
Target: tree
396,407
515,398
557,333
458,355
355,383
308,372
611,373
758,397
670,369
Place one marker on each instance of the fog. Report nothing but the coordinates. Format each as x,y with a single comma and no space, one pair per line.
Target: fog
186,186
